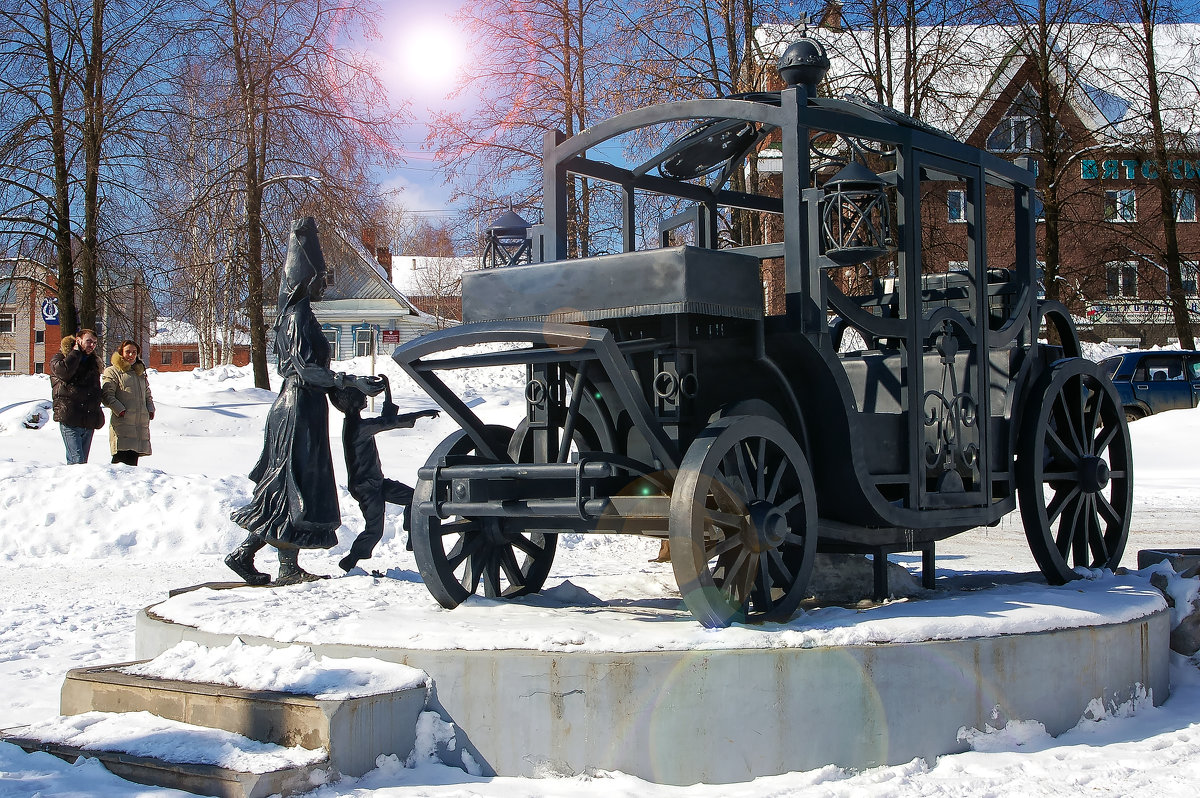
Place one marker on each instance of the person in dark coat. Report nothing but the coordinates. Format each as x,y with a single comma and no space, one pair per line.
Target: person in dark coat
364,474
75,389
294,505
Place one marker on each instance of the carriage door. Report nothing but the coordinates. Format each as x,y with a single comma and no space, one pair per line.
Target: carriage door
948,318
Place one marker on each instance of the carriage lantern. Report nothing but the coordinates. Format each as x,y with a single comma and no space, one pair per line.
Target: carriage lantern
855,220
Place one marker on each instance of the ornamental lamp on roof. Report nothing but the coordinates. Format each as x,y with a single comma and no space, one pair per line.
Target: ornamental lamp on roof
508,241
804,63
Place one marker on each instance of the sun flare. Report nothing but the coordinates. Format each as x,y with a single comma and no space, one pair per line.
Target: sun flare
430,56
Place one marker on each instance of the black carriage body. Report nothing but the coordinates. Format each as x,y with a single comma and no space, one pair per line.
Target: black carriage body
638,361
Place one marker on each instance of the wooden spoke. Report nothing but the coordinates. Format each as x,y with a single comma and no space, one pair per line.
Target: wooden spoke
753,573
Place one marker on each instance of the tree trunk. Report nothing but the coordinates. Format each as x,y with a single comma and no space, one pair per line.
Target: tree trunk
1176,295
67,314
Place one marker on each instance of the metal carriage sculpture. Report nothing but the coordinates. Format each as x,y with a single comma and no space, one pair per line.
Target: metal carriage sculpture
903,396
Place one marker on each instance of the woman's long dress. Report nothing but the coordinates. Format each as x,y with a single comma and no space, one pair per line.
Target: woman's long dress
295,495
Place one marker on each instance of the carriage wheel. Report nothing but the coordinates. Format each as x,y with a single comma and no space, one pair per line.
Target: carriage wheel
456,554
743,522
1075,471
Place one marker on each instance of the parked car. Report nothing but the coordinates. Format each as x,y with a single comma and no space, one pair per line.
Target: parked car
1155,381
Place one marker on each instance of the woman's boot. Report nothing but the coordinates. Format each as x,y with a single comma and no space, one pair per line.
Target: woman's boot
290,572
241,561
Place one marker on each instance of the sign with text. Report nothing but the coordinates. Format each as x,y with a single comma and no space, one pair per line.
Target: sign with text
50,310
389,336
1131,169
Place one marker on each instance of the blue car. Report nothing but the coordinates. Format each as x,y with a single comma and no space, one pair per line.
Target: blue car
1153,382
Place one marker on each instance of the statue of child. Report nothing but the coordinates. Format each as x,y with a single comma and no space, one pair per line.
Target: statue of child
364,474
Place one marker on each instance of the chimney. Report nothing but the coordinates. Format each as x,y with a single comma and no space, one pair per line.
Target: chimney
384,256
368,238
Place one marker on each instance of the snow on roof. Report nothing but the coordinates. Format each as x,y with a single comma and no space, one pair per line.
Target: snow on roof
410,271
173,331
367,258
963,69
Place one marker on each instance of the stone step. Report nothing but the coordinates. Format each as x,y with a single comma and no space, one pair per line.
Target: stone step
254,780
355,731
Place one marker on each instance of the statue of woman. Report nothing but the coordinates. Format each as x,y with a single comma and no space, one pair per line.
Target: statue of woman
295,504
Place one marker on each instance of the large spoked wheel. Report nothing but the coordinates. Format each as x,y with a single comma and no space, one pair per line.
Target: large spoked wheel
1075,471
455,555
743,522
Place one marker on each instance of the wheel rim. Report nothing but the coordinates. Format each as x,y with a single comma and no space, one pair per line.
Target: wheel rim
1075,473
743,523
456,555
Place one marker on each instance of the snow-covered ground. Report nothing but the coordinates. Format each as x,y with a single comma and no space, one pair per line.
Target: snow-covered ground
82,548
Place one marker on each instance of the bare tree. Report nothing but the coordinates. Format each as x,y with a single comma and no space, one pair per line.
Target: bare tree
36,66
299,113
544,60
1166,92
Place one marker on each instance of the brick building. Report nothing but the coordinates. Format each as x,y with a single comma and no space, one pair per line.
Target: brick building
175,346
1112,272
29,329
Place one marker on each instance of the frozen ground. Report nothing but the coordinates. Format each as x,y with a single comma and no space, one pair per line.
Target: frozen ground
83,548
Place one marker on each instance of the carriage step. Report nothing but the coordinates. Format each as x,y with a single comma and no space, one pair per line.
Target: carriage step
355,731
149,750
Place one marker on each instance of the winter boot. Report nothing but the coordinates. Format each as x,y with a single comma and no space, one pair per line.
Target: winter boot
241,561
347,563
290,572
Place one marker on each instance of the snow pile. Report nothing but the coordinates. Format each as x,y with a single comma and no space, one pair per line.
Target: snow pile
25,415
144,734
100,511
436,742
295,669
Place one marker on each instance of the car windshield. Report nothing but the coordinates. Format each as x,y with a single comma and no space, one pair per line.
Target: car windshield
1109,366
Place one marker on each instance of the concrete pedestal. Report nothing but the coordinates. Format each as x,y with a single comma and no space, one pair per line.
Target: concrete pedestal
728,715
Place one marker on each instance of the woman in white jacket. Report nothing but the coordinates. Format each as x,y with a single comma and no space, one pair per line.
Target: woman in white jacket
125,391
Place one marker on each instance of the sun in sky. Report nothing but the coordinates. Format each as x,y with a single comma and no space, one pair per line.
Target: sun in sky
427,55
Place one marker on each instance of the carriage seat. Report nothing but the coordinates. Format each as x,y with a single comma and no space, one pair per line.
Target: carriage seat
651,282
949,289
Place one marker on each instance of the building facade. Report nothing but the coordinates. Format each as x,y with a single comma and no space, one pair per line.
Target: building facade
29,328
1099,187
30,333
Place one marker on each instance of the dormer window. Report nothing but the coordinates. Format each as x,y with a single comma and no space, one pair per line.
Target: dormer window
1013,134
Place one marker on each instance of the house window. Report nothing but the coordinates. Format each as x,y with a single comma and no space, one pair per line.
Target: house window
956,205
1039,207
6,361
1187,270
1040,278
1122,278
1013,134
190,357
39,368
331,336
165,357
364,342
39,336
8,322
1185,206
1120,206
